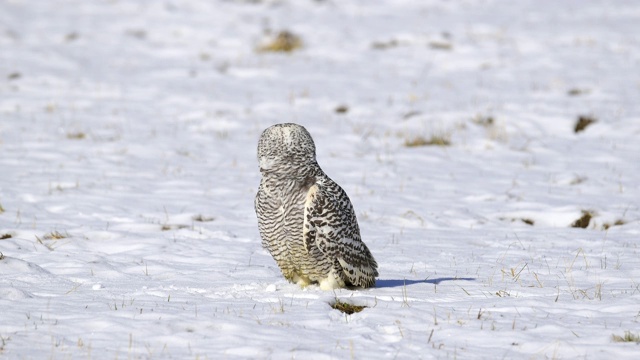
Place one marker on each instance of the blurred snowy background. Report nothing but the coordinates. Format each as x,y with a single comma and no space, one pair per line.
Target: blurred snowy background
490,149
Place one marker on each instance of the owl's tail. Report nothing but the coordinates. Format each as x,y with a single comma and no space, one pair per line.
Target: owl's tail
360,275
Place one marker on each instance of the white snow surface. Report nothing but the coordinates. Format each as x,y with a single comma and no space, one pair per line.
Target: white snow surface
128,132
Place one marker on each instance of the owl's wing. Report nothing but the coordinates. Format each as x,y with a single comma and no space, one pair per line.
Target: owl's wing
330,224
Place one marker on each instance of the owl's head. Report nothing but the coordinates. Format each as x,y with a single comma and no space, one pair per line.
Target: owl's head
285,145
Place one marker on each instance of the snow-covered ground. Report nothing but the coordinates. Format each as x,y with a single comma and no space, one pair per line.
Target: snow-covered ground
127,175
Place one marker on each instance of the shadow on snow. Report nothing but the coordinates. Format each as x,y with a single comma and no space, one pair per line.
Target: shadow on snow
403,282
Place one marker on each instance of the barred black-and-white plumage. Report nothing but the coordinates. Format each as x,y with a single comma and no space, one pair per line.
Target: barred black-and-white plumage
306,220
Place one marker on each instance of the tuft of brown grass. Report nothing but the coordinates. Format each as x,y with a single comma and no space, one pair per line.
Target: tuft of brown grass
342,109
76,135
55,235
527,221
578,92
583,221
285,41
5,236
618,222
72,36
583,122
578,180
383,45
167,227
486,121
627,337
346,307
441,45
435,140
202,218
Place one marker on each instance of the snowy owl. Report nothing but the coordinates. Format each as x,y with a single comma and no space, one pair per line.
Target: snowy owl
306,220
